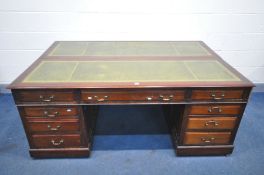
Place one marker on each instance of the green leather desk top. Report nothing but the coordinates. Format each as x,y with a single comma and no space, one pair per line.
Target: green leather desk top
126,64
133,48
129,71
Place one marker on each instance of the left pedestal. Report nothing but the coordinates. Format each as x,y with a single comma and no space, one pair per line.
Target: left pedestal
55,125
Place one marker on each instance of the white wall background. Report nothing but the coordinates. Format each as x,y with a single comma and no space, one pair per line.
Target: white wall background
234,29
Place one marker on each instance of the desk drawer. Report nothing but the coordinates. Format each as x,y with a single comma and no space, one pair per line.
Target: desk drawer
54,126
56,141
51,112
211,123
142,95
216,109
207,138
217,94
45,96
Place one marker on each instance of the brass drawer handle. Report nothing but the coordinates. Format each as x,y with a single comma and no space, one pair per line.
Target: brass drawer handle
104,98
101,99
54,129
149,98
57,143
216,108
211,122
46,113
46,99
207,140
168,98
214,96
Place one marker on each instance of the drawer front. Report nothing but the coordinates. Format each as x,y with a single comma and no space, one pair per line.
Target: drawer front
217,94
215,109
54,126
207,138
56,141
112,96
211,123
45,96
50,111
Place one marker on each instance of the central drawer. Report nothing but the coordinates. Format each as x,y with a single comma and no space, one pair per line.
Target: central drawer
132,95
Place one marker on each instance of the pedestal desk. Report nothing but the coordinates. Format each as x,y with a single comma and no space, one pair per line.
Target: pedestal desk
59,95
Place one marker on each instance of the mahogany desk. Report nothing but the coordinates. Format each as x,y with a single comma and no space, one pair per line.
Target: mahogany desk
59,95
